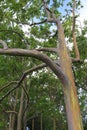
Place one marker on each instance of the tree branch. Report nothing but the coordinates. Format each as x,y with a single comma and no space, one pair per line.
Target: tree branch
21,80
16,32
4,44
41,22
73,32
33,53
14,112
74,60
47,49
26,23
7,85
51,17
48,12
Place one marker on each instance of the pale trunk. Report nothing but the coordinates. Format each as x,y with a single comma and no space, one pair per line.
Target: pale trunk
20,114
10,122
12,115
25,107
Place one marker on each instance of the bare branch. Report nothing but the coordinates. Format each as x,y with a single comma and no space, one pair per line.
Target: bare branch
50,15
33,53
23,77
4,44
48,12
21,80
11,90
14,112
38,23
26,23
73,31
74,60
7,85
16,32
56,33
47,49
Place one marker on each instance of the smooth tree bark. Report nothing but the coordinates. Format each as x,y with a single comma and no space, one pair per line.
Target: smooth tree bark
70,93
20,113
13,113
26,104
11,122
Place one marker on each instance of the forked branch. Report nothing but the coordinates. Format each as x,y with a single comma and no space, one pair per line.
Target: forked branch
7,85
33,53
21,80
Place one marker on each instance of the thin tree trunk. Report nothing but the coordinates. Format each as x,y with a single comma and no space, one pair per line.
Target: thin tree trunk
10,121
25,107
41,122
33,124
24,119
73,31
12,115
54,123
20,114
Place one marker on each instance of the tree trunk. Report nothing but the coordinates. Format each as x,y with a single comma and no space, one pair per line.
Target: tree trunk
10,122
41,123
33,124
70,94
20,114
25,118
26,103
12,115
54,123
